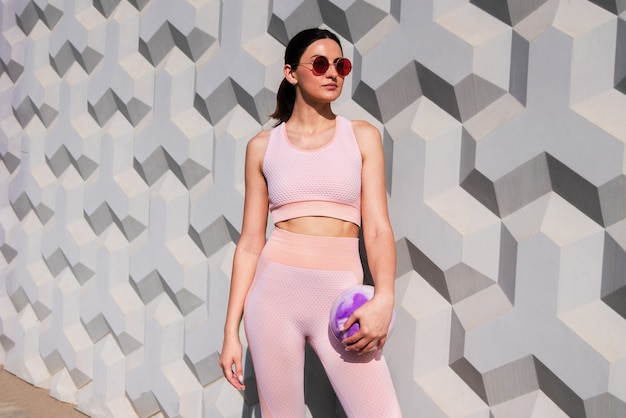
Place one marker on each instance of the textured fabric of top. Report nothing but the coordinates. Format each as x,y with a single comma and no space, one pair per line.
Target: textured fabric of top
322,182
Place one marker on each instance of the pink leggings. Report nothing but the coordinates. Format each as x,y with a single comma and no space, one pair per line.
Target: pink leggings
297,279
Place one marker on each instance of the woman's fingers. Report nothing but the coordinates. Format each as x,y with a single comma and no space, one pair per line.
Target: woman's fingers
232,370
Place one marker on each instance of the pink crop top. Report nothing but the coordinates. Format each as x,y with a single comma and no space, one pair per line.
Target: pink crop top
322,182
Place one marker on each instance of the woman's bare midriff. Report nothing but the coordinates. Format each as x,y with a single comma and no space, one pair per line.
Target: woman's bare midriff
320,226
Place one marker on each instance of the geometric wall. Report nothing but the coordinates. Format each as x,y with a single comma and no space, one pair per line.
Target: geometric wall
123,127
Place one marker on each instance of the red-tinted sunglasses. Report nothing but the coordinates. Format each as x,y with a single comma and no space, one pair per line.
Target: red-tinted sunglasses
320,65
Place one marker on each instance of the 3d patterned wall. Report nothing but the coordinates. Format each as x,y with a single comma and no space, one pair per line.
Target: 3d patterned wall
123,125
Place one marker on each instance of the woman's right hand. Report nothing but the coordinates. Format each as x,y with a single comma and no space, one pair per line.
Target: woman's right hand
230,362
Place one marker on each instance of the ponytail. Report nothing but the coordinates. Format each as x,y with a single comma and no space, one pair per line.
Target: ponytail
285,99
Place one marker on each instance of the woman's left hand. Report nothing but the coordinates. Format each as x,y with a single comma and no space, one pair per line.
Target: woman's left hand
374,318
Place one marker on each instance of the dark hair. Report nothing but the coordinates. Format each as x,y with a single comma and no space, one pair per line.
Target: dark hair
286,95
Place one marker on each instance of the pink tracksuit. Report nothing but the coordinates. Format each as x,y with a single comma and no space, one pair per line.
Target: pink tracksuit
298,277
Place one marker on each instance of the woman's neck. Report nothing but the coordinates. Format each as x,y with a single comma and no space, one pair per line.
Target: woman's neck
310,119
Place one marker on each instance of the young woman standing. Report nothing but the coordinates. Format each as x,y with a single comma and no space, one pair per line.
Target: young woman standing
322,178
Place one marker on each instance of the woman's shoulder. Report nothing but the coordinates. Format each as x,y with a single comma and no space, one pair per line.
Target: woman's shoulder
261,138
258,143
362,125
365,132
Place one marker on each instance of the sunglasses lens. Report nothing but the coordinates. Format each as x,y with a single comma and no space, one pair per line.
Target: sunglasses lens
344,66
320,65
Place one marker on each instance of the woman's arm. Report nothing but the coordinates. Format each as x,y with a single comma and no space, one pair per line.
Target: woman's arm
375,316
247,253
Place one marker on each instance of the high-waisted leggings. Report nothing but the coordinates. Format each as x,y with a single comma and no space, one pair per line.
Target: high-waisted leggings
297,279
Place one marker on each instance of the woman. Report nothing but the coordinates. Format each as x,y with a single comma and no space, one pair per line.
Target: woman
322,177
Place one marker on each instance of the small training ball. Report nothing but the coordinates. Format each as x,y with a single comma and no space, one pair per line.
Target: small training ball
345,304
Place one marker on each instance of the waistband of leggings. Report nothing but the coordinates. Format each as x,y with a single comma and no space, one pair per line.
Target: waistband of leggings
311,250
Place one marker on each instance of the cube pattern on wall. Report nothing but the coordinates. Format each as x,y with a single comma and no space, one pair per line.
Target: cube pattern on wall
123,127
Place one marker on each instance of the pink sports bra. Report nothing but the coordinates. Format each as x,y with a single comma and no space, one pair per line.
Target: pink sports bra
322,182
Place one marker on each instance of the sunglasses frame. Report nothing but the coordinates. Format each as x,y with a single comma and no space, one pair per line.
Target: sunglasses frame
326,63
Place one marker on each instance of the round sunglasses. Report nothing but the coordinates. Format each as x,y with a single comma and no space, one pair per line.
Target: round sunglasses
321,64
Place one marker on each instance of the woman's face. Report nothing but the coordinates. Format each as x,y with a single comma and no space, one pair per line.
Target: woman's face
325,87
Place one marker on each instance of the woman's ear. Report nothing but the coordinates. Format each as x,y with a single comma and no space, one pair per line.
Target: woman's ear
290,74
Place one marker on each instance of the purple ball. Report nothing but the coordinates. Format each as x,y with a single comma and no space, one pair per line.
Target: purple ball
345,304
